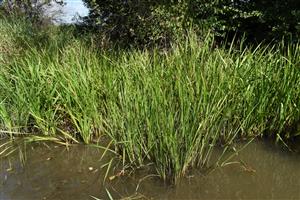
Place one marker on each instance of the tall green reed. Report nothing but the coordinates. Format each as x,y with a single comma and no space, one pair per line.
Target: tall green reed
169,107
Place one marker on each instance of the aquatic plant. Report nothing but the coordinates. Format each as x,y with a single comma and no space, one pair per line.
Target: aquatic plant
170,107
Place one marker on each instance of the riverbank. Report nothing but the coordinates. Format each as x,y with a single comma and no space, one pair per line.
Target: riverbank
169,107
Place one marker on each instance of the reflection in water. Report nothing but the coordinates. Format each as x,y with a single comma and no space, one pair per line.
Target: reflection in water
269,173
55,173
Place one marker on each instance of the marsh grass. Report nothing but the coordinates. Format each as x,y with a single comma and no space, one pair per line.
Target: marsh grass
169,107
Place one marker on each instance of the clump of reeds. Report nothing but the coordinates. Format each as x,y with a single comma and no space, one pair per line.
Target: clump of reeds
168,107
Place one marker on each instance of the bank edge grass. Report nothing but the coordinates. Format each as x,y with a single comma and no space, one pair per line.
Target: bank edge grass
171,108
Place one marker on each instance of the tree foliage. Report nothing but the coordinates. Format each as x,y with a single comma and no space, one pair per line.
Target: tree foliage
146,21
136,21
32,10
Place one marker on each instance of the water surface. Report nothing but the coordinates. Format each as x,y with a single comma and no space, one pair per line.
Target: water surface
53,172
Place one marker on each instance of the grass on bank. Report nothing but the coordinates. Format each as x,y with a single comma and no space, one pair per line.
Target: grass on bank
171,108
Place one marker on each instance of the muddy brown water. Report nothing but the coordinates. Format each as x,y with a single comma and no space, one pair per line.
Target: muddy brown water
53,172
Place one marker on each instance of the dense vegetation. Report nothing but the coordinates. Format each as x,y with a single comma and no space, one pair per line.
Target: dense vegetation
170,106
159,21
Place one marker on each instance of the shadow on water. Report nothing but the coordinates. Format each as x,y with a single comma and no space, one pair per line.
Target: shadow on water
53,172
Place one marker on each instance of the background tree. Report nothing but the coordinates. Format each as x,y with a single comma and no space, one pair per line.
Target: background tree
146,21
